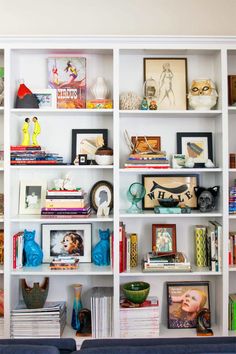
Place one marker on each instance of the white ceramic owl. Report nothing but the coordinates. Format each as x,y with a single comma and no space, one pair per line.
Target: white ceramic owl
202,94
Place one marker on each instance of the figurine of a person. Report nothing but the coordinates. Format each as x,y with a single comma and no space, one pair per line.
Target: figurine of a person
26,134
36,131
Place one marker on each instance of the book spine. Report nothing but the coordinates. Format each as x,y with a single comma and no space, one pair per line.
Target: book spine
128,253
63,197
37,162
121,249
65,212
65,209
200,246
65,204
133,250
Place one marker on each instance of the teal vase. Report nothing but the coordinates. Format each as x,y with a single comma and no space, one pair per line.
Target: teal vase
77,306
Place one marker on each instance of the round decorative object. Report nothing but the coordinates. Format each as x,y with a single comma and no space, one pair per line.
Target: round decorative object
150,88
136,291
135,194
104,156
101,195
168,202
35,297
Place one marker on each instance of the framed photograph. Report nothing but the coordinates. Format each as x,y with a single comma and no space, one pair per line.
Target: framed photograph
170,75
179,186
66,240
47,98
101,195
32,197
87,141
197,146
164,238
82,159
146,143
184,300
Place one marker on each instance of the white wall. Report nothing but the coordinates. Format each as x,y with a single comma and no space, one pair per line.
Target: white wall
117,17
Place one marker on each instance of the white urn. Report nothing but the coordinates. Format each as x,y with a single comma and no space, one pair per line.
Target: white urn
100,89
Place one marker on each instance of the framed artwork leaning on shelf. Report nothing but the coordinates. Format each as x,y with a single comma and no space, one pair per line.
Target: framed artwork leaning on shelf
179,186
197,146
47,98
66,240
184,301
171,77
164,238
86,142
32,197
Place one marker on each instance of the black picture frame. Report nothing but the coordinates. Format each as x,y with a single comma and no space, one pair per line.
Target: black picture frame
97,188
80,134
182,308
205,142
166,186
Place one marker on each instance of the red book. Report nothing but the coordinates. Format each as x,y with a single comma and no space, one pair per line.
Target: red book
25,148
121,249
15,243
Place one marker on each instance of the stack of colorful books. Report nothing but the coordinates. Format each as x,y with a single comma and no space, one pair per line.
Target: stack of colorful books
176,262
232,200
148,160
33,155
66,203
64,263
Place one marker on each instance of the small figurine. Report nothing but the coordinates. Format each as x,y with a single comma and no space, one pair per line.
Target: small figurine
101,252
32,251
206,198
144,104
85,329
26,135
36,132
209,164
76,160
153,105
64,183
203,323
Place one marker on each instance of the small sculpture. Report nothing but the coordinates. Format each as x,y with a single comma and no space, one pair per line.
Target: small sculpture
101,252
25,98
209,164
100,89
32,251
130,101
85,323
35,297
144,104
203,323
153,105
206,198
189,162
26,135
64,183
36,132
202,94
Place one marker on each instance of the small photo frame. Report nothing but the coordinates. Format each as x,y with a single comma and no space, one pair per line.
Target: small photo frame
146,143
164,238
87,141
178,186
47,98
197,146
82,159
66,240
101,195
32,197
184,300
170,75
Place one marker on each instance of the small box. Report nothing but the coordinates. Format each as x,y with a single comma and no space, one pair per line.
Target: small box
232,90
99,104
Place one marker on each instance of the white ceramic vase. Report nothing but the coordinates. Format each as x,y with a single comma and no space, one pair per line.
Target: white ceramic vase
100,89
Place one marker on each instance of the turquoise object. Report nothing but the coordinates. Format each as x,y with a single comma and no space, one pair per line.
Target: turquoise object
77,306
135,194
144,104
32,251
101,252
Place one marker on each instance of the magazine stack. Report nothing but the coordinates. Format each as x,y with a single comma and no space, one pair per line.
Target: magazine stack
102,312
46,322
139,320
33,155
66,203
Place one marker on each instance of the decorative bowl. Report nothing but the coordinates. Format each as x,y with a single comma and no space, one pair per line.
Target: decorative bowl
136,291
168,202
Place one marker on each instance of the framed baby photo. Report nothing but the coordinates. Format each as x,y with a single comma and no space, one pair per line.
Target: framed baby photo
197,146
72,240
164,238
101,195
170,75
184,301
177,186
32,197
47,98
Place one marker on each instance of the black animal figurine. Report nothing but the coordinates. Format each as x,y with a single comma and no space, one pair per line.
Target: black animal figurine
206,198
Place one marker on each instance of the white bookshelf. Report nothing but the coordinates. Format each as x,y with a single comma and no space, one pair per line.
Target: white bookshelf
120,61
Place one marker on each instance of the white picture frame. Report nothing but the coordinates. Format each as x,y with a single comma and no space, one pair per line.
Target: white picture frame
54,242
47,98
32,197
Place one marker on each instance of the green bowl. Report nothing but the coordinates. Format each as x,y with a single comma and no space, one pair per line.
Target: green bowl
136,291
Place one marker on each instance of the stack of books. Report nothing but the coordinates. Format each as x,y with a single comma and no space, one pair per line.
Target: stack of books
18,246
148,160
46,322
33,155
139,320
232,200
176,262
64,263
102,312
66,204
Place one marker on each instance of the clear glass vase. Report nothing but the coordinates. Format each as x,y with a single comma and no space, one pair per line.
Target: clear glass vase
77,306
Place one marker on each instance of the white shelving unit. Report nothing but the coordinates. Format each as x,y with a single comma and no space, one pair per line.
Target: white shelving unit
120,61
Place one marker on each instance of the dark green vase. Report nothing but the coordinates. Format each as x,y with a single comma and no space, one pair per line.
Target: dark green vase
36,296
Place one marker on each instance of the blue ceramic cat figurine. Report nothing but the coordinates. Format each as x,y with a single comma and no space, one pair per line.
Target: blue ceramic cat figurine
101,252
33,252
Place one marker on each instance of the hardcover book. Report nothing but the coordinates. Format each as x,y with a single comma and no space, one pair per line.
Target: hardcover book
68,77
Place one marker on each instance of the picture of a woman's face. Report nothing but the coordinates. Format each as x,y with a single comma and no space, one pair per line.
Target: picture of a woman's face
191,301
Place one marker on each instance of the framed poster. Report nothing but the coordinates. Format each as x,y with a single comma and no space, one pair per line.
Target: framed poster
179,186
